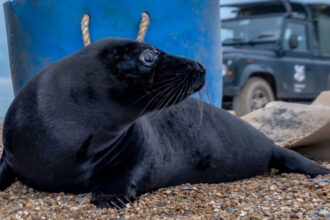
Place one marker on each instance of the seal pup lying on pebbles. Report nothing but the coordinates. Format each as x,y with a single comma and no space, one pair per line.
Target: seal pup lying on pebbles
91,122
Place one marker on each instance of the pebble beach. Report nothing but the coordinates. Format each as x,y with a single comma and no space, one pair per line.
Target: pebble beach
284,196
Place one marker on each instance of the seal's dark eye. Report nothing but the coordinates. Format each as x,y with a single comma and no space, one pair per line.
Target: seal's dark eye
148,57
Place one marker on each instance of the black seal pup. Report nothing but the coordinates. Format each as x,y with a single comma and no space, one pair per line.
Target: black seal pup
91,122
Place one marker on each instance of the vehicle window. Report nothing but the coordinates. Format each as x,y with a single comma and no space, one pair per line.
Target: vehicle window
232,10
298,10
323,34
251,30
300,31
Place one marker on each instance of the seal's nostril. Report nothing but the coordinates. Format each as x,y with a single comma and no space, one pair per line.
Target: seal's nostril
200,68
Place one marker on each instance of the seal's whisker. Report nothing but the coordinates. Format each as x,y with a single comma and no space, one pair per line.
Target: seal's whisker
183,83
159,106
179,96
172,94
185,87
169,97
153,98
182,96
152,91
207,95
180,92
166,90
201,108
160,87
166,80
159,93
206,92
175,93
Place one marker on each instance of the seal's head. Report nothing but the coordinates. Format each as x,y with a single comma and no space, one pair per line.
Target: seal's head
148,77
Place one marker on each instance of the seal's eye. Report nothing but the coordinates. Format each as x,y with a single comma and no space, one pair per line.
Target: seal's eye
148,57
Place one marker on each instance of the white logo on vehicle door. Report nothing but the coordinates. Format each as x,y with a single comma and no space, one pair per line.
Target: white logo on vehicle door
300,77
299,74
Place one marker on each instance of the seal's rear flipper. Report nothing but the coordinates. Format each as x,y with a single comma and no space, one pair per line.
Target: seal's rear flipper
288,161
7,176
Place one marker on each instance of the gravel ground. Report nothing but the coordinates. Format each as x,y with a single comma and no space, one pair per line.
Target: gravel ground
285,196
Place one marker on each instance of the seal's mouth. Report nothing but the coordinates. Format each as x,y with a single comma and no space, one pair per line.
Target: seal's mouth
197,78
198,88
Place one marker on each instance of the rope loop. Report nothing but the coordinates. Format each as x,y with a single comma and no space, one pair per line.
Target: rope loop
85,29
143,27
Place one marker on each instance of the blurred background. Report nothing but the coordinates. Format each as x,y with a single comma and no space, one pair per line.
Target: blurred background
274,50
6,90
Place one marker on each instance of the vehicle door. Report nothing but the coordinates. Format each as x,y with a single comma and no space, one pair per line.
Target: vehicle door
322,57
297,79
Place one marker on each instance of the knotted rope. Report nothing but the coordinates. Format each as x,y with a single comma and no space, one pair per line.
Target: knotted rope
143,27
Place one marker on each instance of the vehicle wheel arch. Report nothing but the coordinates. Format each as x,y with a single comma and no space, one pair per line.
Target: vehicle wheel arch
268,77
255,94
262,71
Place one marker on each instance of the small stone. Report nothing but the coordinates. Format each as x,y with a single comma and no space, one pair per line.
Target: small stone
242,213
40,201
216,210
186,187
74,208
300,200
294,216
323,183
294,182
273,187
324,213
230,210
315,213
267,198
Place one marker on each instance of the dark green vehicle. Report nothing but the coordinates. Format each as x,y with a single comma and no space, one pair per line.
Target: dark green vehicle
274,50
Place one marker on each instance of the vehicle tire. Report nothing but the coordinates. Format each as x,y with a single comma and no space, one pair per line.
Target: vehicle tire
255,94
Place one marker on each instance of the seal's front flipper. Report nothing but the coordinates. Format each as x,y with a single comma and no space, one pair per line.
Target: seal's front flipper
112,201
7,176
288,161
113,189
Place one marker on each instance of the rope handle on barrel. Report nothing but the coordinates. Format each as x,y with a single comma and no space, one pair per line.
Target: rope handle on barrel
143,27
85,29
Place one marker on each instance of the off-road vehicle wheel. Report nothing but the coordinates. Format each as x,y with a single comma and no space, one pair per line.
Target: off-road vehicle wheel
255,94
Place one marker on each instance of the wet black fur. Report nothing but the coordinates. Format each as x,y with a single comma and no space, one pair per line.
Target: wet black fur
90,122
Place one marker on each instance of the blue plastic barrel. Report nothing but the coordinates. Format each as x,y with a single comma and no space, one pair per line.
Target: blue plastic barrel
41,32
